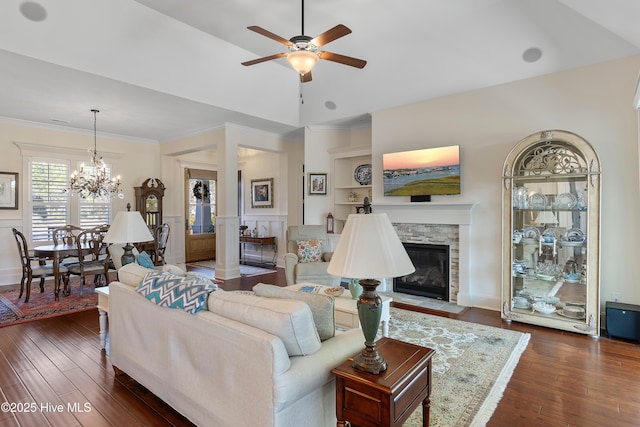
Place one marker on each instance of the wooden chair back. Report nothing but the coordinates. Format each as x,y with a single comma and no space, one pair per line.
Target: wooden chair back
23,250
93,256
28,271
93,238
161,236
66,235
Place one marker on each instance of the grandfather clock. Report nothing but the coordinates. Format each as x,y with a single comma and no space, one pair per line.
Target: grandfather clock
149,202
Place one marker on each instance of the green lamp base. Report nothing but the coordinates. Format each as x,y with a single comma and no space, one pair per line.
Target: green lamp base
369,313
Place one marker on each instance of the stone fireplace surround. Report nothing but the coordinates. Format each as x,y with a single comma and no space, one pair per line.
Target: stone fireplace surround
441,224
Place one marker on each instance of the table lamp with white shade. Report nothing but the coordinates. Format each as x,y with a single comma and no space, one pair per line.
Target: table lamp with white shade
128,227
369,247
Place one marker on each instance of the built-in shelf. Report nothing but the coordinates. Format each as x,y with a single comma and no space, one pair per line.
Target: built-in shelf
344,162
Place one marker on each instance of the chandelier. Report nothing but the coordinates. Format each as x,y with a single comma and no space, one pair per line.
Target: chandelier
94,180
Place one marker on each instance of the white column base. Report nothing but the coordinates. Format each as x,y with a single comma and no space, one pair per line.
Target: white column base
227,247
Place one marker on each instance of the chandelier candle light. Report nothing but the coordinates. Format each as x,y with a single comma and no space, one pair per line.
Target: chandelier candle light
369,247
94,181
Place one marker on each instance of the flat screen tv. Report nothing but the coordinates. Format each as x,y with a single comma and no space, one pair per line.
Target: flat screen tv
422,173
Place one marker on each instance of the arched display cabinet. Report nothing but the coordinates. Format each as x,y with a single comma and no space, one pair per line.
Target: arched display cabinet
551,233
149,201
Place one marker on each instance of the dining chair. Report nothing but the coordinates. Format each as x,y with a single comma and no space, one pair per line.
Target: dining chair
67,235
161,236
93,257
29,271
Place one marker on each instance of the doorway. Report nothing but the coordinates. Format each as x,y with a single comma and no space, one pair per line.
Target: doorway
200,213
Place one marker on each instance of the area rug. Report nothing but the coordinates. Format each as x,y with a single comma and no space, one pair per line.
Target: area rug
42,305
471,367
245,270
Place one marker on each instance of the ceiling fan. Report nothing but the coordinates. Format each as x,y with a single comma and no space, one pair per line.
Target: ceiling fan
304,50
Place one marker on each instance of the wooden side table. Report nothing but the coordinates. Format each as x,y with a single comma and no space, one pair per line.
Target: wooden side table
387,399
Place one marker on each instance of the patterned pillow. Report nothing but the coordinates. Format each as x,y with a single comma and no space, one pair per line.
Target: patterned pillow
167,290
200,279
309,250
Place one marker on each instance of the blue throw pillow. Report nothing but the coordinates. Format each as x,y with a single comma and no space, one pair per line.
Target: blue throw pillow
145,260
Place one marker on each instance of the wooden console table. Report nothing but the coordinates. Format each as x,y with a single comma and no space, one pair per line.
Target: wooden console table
259,241
387,399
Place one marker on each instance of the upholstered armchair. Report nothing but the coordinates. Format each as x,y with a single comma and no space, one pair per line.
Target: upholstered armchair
308,255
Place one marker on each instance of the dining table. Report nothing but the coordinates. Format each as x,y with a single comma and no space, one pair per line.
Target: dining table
57,252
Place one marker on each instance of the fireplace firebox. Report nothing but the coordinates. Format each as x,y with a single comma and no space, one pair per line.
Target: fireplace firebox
431,278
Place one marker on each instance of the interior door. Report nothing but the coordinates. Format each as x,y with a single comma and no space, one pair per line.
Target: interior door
200,213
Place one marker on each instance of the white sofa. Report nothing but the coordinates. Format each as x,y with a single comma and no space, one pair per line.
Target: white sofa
217,371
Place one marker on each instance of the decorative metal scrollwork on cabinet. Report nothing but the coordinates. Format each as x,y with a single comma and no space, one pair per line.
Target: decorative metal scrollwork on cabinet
551,233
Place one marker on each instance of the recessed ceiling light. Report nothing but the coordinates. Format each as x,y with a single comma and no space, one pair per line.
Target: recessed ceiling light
330,105
532,54
33,11
59,121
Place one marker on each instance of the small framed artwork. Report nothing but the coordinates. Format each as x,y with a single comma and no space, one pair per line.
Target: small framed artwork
262,193
8,190
317,183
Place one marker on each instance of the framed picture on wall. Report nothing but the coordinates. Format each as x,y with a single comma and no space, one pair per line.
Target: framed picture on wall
8,190
317,183
262,193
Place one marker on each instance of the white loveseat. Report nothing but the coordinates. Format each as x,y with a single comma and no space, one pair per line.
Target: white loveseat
217,371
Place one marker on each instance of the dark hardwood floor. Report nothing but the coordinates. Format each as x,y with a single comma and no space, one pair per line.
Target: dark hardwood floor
52,372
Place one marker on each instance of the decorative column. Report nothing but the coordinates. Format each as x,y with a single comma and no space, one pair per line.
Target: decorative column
227,218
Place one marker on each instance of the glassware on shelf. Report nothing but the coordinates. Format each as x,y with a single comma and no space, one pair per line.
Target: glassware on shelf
547,270
520,200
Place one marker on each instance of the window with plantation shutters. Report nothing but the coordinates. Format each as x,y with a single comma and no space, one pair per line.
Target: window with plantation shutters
94,212
49,201
53,207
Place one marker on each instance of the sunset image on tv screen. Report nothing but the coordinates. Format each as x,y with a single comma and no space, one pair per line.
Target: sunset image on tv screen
429,171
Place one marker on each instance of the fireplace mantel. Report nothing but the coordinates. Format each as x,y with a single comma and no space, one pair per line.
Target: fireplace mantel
428,212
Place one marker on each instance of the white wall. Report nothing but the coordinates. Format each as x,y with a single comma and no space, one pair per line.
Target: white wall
595,102
318,140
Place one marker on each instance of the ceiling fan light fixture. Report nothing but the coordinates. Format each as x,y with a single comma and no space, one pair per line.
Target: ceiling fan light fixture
302,60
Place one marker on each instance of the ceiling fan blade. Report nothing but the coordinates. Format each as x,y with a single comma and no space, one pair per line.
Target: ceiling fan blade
263,59
331,35
304,78
269,34
346,60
